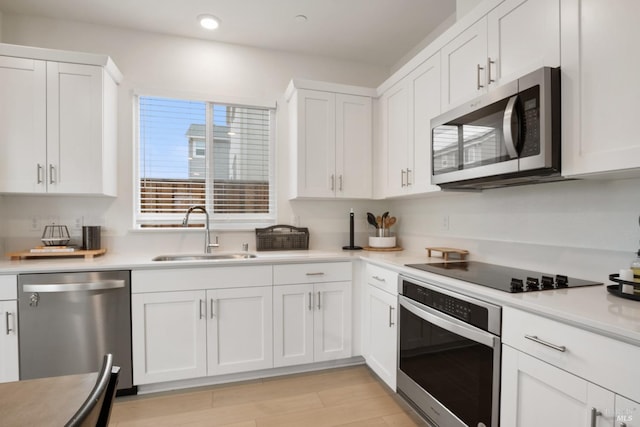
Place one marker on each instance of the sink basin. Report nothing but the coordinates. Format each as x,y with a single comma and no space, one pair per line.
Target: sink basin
202,257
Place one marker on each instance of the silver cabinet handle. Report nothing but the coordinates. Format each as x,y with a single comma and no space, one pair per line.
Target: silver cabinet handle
310,301
402,173
545,343
319,301
213,308
319,273
594,415
39,171
379,279
408,177
478,69
340,181
72,287
9,330
623,424
391,323
489,63
201,311
52,173
333,182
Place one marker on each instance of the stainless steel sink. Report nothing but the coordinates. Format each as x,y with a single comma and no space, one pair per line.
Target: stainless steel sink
203,257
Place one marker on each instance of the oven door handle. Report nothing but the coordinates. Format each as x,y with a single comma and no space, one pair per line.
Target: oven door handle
452,325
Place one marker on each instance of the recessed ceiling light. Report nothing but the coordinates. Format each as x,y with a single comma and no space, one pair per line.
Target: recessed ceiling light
209,22
300,18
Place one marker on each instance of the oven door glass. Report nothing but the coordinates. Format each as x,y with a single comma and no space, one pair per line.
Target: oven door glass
456,371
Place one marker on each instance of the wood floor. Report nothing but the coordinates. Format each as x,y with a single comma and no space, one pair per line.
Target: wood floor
352,397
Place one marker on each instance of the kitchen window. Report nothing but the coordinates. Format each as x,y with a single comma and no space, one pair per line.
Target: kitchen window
218,155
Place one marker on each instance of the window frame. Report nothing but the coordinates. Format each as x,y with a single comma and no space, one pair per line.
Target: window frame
218,221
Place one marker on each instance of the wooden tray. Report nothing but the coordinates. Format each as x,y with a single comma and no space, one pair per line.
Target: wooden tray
371,248
446,252
27,254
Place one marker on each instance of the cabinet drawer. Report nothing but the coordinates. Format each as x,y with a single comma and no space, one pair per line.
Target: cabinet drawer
8,287
184,279
311,273
387,280
605,361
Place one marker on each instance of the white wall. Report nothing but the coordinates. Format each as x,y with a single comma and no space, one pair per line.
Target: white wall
173,66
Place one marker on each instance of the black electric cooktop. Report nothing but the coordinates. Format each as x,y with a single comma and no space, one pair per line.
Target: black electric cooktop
503,278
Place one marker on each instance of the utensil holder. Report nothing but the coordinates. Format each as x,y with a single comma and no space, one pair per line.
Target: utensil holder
90,237
383,232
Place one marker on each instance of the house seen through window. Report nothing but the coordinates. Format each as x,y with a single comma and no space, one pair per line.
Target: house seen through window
204,153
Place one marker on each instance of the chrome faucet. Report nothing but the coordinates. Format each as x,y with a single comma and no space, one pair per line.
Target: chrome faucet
207,237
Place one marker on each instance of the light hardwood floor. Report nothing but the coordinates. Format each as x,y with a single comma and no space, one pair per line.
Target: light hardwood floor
350,397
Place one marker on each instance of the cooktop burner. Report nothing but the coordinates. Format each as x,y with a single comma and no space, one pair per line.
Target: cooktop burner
503,278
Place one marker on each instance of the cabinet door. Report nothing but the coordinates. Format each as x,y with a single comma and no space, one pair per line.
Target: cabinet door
529,385
239,330
627,412
293,310
353,146
316,136
74,128
23,125
395,112
600,86
382,334
168,336
332,321
9,341
425,92
464,62
523,35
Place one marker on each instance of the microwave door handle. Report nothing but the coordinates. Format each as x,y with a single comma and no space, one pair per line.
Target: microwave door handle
510,137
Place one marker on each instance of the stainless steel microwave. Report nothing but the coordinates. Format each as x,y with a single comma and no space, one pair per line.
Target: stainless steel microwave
510,136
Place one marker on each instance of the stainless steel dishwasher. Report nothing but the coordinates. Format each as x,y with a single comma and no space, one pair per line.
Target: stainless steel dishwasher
69,321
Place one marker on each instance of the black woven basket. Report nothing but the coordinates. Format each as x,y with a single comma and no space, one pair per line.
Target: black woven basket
282,238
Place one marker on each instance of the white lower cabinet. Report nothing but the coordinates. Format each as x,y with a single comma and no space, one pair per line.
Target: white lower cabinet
382,334
312,321
168,336
239,329
9,362
551,375
196,332
9,370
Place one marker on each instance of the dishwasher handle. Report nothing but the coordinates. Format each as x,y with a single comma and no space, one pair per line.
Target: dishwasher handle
74,287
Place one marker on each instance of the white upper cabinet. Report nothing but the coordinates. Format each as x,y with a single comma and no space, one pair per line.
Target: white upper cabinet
523,35
331,140
58,122
406,111
600,88
464,61
516,37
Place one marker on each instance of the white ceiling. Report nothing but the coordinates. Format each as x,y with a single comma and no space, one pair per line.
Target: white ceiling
374,31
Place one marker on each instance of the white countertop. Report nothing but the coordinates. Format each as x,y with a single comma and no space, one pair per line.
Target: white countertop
590,307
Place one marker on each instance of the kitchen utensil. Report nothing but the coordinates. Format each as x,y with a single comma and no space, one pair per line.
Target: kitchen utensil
371,219
391,221
379,221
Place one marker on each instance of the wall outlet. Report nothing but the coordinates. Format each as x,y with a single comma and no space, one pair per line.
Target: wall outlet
445,222
77,223
35,224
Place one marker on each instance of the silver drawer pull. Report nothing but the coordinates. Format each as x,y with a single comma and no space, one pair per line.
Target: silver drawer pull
594,415
545,343
319,307
391,323
316,274
379,279
9,330
310,301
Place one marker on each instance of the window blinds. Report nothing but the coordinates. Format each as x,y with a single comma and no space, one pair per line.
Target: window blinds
199,153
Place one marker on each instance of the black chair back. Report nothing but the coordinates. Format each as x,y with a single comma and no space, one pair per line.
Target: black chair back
96,409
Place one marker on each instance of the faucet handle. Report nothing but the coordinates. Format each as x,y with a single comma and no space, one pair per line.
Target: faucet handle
214,245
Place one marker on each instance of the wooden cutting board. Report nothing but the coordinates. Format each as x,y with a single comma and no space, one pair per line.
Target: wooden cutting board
393,249
87,254
446,252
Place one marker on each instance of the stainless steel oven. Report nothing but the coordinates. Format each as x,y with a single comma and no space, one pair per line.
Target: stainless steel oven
449,355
